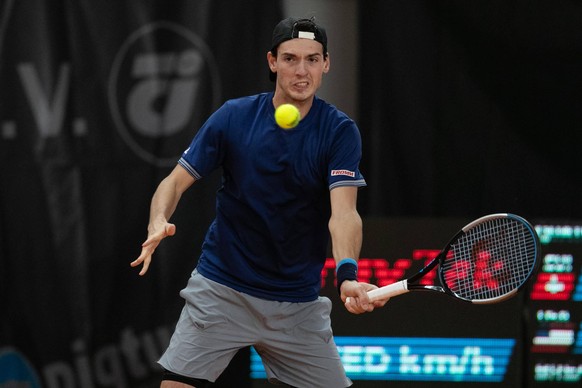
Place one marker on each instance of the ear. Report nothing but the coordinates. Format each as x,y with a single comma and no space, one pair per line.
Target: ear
272,61
326,64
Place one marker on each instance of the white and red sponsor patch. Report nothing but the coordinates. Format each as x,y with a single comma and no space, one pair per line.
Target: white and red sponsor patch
343,172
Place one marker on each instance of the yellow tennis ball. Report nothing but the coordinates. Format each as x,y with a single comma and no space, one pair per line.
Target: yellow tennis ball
287,116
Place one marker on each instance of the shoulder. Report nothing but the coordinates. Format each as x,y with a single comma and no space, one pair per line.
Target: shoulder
236,110
332,116
247,102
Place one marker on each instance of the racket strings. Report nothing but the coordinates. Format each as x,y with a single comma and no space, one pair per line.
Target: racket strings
490,260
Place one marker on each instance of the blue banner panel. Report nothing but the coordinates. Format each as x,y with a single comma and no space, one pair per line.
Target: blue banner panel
419,359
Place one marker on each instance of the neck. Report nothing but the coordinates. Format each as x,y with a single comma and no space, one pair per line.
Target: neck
303,105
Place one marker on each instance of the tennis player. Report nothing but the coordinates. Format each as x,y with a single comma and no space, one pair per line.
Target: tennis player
283,193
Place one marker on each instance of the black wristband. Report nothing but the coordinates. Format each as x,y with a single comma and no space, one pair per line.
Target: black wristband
347,269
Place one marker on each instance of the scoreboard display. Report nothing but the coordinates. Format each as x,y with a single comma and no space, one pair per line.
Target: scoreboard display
432,340
554,312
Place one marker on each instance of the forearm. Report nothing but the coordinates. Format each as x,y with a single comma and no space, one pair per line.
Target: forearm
346,235
164,202
165,199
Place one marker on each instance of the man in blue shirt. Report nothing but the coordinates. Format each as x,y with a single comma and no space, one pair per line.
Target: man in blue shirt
283,193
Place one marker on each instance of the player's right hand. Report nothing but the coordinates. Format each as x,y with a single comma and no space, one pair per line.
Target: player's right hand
354,294
156,235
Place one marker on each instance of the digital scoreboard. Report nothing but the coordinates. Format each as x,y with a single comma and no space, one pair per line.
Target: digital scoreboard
432,340
554,318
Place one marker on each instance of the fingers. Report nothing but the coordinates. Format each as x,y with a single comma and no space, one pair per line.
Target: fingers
146,264
355,297
149,246
145,258
359,304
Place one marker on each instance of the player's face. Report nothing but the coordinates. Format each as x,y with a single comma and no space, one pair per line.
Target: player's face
300,66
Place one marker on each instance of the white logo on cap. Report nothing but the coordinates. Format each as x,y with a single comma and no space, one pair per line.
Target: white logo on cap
306,35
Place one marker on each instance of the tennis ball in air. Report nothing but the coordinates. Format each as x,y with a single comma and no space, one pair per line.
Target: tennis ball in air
287,116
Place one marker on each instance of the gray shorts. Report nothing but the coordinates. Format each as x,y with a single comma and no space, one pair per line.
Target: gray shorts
294,340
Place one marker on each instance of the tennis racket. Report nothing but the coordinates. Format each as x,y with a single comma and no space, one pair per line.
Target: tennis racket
487,261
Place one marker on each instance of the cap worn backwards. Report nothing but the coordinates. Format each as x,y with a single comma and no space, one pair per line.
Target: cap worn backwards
292,28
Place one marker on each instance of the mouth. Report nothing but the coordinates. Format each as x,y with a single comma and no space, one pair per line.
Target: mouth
301,85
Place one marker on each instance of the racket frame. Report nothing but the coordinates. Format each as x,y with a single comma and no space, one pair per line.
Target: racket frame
404,286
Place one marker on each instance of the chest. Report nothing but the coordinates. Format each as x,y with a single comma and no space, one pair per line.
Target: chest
268,153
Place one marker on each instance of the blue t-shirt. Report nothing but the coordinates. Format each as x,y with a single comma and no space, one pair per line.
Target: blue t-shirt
270,235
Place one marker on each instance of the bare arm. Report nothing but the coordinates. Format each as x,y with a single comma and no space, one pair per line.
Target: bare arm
164,203
345,226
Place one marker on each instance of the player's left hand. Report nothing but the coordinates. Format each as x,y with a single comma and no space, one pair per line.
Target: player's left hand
354,294
157,231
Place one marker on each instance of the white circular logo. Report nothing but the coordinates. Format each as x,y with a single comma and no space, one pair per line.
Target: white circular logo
163,85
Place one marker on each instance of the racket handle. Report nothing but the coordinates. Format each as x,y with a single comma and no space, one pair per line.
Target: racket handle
389,291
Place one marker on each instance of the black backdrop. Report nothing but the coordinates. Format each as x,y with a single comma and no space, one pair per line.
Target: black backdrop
471,107
466,107
97,100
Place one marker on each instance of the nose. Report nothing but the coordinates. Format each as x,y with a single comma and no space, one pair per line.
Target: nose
301,68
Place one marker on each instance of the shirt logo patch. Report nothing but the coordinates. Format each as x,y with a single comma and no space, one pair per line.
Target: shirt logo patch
343,172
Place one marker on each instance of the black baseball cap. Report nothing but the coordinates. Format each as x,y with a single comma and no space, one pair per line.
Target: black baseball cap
292,28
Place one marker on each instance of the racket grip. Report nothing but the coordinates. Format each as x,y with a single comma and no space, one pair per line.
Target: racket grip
389,291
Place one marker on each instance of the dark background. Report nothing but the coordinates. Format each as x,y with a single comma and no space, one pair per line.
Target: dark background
471,107
465,108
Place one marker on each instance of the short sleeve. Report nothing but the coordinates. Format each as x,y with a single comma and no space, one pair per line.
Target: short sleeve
346,153
206,151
